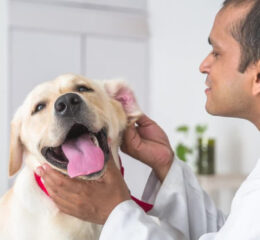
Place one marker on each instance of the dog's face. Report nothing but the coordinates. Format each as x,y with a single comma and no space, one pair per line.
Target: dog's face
68,122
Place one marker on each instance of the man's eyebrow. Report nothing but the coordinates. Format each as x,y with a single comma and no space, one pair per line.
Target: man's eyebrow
213,43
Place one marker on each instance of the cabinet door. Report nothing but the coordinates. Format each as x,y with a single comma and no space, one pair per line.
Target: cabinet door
37,57
119,58
127,59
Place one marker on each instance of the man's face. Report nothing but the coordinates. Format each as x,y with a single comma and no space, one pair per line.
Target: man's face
228,92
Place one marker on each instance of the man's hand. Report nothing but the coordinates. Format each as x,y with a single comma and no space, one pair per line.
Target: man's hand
87,200
148,143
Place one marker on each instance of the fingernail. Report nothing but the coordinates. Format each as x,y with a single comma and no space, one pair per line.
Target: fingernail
38,171
44,166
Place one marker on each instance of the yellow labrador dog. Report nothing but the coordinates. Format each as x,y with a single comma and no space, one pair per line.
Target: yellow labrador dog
66,122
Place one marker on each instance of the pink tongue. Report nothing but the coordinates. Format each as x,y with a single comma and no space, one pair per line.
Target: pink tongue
83,155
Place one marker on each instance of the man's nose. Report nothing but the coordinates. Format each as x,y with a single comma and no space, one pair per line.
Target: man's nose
205,65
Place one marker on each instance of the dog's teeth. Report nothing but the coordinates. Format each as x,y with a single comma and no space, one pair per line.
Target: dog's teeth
94,140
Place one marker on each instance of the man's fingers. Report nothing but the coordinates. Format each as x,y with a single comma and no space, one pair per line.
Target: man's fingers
58,182
131,140
61,201
130,132
66,206
110,172
50,175
144,120
45,168
111,166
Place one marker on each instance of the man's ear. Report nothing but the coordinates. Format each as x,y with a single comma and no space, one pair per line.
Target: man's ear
16,147
120,91
256,79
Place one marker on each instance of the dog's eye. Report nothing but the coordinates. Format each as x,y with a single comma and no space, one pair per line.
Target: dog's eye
84,89
39,107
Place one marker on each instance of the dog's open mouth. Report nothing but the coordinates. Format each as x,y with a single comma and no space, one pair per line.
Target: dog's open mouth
83,153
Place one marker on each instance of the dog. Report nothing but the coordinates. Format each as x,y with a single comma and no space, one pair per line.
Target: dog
58,120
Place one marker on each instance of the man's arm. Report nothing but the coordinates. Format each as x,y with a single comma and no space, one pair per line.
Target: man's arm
182,210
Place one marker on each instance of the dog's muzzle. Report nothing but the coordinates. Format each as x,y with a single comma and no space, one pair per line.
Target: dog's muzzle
83,151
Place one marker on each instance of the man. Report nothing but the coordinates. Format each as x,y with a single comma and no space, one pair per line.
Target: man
181,209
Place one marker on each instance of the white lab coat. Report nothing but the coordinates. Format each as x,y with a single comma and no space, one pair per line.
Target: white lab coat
182,211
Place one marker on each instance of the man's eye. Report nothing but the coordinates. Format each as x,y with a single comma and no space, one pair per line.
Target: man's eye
39,107
84,89
215,54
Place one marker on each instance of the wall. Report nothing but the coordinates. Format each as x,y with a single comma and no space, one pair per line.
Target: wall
4,143
179,33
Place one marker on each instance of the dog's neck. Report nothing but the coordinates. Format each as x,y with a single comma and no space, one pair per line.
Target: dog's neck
145,206
30,196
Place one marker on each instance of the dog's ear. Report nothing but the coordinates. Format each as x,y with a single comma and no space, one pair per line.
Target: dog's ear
119,90
16,147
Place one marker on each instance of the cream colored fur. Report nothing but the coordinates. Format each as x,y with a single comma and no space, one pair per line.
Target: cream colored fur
26,212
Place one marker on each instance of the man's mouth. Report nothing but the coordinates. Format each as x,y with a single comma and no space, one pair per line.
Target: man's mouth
207,90
83,153
208,84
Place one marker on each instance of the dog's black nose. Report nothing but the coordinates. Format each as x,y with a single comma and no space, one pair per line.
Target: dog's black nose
68,104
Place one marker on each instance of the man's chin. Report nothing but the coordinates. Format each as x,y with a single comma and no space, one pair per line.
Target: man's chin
209,109
212,111
220,112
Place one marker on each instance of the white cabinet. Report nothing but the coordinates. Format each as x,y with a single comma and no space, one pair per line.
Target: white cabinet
122,58
76,19
37,57
49,39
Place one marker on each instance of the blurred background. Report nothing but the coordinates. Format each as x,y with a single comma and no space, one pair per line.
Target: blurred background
157,46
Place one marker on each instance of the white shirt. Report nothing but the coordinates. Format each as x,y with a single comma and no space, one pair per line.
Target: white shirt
183,211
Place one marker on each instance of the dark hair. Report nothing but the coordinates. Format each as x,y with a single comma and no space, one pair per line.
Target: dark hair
247,32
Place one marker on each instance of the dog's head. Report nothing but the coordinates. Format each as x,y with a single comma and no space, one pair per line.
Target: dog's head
67,122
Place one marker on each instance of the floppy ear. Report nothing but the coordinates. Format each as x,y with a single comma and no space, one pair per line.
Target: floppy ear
16,147
120,91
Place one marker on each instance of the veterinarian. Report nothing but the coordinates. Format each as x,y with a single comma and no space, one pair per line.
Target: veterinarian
181,209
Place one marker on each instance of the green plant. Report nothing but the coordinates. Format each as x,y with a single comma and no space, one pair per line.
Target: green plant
183,149
201,129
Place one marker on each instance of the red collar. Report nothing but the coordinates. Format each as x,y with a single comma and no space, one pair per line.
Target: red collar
145,206
40,183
